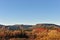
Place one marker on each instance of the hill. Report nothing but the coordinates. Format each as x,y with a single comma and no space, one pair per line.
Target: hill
17,27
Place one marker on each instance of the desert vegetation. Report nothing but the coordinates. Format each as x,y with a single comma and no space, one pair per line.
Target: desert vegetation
37,33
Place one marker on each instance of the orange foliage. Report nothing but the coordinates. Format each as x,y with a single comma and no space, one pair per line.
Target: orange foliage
35,34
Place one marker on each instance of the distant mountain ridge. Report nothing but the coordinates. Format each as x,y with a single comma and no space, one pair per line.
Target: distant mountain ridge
17,27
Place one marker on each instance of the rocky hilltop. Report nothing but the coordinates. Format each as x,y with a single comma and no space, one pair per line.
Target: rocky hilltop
17,27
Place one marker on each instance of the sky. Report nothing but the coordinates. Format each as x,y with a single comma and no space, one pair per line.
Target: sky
29,11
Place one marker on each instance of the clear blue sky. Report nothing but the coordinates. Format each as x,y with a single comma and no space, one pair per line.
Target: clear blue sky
29,11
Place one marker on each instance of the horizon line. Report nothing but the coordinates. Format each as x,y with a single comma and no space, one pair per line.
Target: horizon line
27,23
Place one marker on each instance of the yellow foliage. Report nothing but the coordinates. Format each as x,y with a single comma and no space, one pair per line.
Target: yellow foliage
54,34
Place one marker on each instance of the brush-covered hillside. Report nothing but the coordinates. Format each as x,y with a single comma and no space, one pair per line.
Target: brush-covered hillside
30,32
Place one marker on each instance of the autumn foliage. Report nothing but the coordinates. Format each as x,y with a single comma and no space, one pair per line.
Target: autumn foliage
34,34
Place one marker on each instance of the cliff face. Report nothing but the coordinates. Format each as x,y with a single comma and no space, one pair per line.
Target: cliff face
17,27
